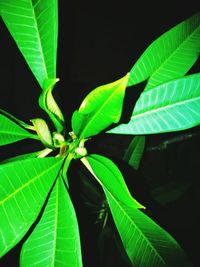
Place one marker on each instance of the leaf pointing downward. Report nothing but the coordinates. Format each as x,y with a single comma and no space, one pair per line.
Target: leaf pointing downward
55,240
33,25
24,186
110,177
145,242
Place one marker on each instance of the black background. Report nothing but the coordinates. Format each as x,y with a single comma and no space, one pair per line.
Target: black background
99,41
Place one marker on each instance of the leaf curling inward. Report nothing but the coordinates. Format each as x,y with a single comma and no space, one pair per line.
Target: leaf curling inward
100,108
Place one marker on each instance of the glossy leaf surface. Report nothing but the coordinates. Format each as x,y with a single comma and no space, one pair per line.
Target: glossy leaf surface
55,240
43,131
109,176
101,108
172,106
170,56
135,151
24,186
33,25
11,132
49,105
145,242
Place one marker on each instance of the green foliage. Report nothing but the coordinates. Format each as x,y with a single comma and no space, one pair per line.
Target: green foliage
43,131
171,106
34,27
49,105
101,108
145,242
135,151
21,198
26,156
11,132
56,236
33,181
170,56
107,174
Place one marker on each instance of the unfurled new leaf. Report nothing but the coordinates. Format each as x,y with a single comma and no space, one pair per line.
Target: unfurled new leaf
145,242
49,105
101,108
43,131
55,240
170,56
172,106
33,25
11,132
110,177
24,186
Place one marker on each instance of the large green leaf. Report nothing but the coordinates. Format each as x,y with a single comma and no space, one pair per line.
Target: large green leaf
145,242
24,186
55,240
101,108
135,151
109,176
170,56
172,106
11,132
33,25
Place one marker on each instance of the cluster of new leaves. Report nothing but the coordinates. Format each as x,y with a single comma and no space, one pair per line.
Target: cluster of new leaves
170,102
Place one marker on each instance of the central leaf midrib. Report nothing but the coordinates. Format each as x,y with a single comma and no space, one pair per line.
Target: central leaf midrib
178,47
28,183
123,186
56,223
167,107
39,39
92,118
119,181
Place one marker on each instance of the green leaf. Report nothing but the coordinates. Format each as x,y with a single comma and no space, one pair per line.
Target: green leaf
170,56
21,157
14,119
55,240
24,186
36,154
100,108
135,151
145,242
172,106
49,105
109,176
11,132
43,131
33,25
